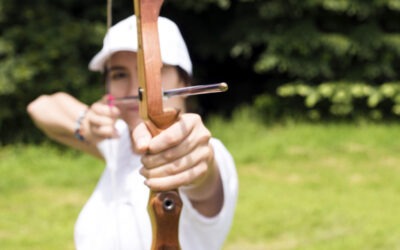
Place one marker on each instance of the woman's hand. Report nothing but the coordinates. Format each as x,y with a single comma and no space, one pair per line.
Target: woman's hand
180,157
99,122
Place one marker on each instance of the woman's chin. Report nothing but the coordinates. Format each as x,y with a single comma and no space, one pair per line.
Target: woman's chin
132,120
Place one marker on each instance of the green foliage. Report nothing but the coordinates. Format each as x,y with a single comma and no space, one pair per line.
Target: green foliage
340,57
317,43
45,47
41,52
342,97
258,47
199,6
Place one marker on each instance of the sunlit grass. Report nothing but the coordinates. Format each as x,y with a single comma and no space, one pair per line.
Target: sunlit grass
305,186
42,191
302,186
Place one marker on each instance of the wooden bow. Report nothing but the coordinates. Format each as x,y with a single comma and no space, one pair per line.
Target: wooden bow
164,207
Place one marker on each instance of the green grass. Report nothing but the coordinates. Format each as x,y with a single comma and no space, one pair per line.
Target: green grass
302,186
305,186
42,191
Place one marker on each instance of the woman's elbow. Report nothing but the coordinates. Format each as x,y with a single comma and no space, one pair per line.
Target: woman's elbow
37,105
42,103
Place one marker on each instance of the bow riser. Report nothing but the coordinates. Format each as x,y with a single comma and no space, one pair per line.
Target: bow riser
164,207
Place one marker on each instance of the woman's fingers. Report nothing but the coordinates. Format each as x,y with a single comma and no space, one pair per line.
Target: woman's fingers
141,138
178,156
173,143
101,119
179,165
184,178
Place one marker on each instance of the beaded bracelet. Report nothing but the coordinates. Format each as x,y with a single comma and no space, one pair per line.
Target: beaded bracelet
78,124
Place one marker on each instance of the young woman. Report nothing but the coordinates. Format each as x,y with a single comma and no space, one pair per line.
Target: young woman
184,156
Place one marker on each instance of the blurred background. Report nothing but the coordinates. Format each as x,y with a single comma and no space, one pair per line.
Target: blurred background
315,59
311,116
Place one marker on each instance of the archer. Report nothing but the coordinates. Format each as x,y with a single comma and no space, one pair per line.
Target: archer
183,156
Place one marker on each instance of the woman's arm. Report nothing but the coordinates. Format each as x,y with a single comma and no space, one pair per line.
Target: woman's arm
57,115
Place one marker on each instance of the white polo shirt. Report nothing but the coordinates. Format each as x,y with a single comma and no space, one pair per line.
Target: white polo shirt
115,216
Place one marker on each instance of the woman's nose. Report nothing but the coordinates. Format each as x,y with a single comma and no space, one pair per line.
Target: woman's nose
133,88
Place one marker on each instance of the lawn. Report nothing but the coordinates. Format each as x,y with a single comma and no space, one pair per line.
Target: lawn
302,186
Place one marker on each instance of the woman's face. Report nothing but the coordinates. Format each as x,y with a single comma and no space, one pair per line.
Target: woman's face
123,81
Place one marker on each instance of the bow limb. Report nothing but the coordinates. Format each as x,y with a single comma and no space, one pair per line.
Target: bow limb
164,207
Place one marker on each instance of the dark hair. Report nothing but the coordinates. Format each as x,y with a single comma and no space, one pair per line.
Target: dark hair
191,103
184,76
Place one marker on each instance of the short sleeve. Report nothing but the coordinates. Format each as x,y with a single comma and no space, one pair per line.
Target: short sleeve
210,233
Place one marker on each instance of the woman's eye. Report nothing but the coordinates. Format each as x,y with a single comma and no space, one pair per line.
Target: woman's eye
118,75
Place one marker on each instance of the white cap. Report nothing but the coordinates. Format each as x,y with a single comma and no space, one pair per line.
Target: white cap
123,37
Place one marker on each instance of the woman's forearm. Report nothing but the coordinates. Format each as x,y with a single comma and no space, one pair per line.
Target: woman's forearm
56,116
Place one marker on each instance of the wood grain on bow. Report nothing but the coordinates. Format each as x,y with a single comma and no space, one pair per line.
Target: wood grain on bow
164,207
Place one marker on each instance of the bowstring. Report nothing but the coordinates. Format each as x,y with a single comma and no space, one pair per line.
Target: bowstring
112,151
